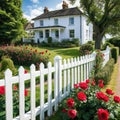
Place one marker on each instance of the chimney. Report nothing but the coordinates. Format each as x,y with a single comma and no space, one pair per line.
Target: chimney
64,5
46,10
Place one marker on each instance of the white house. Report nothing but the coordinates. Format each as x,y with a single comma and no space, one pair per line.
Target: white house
66,23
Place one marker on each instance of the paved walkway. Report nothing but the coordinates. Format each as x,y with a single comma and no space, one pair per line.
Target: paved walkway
118,79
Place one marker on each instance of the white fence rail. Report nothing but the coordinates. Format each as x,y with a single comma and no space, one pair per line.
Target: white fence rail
66,74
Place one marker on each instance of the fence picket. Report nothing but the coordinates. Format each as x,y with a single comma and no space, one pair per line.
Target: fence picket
8,95
49,89
41,91
32,76
21,93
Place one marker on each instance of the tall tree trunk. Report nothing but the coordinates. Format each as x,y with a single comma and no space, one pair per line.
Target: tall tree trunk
97,37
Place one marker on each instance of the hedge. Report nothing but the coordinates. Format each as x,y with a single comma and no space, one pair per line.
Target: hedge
115,53
105,73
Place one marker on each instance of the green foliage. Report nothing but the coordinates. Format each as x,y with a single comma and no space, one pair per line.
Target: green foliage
115,53
49,40
105,72
115,41
25,55
104,46
7,63
11,21
65,43
86,49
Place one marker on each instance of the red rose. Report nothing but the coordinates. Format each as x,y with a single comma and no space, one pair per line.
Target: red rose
81,96
76,86
117,99
102,114
83,85
109,92
64,110
2,90
102,96
72,113
15,87
93,83
26,92
25,71
100,81
70,102
87,81
101,85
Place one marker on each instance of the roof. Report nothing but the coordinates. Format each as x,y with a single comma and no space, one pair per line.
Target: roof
57,13
28,26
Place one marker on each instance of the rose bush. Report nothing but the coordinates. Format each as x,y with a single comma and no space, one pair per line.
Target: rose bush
88,102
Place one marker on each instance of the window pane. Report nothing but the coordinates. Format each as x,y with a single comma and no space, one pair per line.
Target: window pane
56,34
41,34
46,33
71,21
41,22
71,33
56,21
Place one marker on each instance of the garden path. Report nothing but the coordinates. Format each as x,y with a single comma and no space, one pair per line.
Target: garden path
117,91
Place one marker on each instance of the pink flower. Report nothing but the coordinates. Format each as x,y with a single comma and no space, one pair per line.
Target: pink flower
76,86
87,81
102,96
25,71
64,110
109,92
101,85
117,99
26,92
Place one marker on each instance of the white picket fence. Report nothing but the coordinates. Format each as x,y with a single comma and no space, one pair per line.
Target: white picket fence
66,74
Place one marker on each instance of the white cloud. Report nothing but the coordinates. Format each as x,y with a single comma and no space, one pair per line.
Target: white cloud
33,13
35,1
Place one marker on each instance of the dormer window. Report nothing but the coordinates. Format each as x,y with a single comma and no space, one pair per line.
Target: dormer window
55,21
41,22
71,20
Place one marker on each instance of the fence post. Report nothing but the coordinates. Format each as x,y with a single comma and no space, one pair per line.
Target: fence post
58,77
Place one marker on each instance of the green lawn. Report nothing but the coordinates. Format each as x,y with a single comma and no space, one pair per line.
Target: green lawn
63,52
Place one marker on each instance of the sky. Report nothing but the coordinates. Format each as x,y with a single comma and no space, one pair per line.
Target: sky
33,8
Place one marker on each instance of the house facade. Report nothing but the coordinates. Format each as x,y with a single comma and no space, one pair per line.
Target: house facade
67,23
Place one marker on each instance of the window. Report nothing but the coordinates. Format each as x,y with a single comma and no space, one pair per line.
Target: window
57,34
41,34
71,33
71,21
56,21
41,22
46,33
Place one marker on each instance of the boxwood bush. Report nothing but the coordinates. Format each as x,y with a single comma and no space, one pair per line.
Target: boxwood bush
105,73
115,53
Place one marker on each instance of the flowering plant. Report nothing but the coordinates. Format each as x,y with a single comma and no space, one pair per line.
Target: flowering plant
88,102
15,101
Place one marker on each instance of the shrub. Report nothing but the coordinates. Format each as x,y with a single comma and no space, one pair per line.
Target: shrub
7,63
115,53
25,55
104,46
49,40
86,49
87,102
105,72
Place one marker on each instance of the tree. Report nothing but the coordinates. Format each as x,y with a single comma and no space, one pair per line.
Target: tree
11,20
103,14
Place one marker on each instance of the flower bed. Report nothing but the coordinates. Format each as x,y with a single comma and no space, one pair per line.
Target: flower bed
88,102
25,55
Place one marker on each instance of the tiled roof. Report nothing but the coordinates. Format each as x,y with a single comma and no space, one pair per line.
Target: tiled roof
57,13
